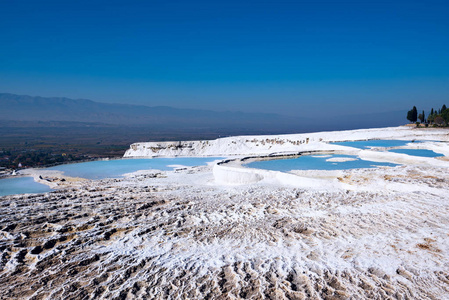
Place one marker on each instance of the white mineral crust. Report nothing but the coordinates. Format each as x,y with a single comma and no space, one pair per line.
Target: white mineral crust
191,234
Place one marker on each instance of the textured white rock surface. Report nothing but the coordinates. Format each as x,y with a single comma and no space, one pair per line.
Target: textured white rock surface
263,145
352,234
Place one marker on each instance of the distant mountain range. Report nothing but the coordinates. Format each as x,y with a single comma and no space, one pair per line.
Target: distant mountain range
30,108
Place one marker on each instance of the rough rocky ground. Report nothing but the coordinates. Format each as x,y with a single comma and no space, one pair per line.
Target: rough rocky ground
177,235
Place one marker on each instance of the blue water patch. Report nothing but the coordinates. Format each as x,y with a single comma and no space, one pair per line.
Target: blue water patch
116,168
374,143
316,162
417,152
21,185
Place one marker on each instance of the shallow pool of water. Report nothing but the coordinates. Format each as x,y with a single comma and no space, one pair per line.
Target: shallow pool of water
417,152
116,168
316,162
374,143
21,185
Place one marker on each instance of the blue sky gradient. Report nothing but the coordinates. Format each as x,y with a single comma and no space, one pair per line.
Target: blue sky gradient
289,57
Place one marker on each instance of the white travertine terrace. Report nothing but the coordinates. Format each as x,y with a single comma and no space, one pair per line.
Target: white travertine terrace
265,145
230,232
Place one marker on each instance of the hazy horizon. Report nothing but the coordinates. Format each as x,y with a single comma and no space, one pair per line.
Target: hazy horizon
62,109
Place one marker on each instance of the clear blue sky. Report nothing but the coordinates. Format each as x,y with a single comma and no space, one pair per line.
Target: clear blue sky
290,57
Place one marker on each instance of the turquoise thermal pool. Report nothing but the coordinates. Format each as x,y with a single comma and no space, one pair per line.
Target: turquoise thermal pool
417,152
116,168
21,185
317,162
374,143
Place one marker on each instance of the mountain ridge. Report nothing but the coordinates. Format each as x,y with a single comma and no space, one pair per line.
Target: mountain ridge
62,109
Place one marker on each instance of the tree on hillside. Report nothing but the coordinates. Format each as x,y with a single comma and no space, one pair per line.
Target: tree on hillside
409,115
431,117
412,115
443,108
439,120
445,115
422,117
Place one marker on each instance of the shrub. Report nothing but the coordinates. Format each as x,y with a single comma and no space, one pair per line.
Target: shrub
439,121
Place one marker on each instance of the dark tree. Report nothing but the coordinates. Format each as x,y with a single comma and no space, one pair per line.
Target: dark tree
443,108
421,118
431,118
445,115
409,115
439,120
431,112
412,115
